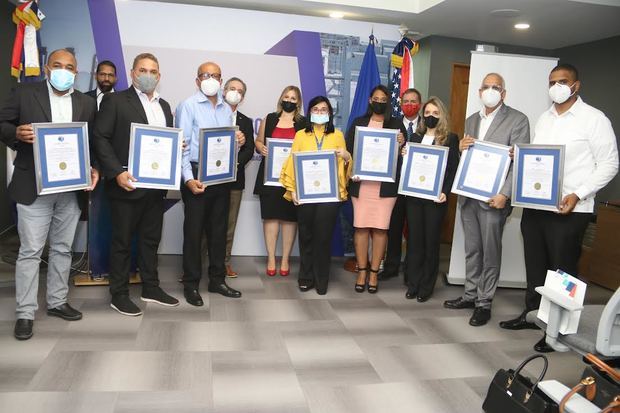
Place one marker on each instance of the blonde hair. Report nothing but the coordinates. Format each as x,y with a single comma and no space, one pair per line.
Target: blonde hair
443,126
298,111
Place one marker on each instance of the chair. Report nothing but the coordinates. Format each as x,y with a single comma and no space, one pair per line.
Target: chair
599,326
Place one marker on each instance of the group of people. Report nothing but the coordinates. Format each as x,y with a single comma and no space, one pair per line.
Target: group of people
551,240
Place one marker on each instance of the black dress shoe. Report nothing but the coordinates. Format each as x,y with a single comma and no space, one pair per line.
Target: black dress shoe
23,329
542,346
384,275
423,298
411,294
224,290
66,312
480,317
518,323
458,304
193,297
305,285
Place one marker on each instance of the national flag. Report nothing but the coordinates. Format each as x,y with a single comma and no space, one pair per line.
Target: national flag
401,59
25,57
368,78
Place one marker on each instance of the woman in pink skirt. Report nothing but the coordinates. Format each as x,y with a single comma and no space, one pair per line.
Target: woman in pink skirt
372,201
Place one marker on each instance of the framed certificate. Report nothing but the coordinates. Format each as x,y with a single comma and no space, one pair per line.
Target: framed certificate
155,156
61,157
218,155
278,151
375,154
482,170
316,177
424,167
537,176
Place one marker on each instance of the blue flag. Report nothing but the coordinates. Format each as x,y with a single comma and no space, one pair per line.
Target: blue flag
366,81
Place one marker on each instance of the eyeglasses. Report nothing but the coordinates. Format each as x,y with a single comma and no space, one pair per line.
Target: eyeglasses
205,76
494,87
319,111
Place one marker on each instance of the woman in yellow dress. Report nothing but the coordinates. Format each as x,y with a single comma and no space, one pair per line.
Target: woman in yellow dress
316,221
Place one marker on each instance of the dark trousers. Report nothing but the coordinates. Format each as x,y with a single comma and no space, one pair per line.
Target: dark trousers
205,213
550,241
424,218
143,217
316,226
395,237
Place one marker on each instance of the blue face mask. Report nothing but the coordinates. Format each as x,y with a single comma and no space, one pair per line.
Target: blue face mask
319,119
62,79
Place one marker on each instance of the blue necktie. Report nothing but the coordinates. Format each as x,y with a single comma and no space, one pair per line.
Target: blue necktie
409,131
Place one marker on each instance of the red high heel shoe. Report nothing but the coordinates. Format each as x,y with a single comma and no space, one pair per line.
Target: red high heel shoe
284,273
270,273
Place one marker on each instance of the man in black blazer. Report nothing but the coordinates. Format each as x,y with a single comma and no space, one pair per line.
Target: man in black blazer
134,211
234,93
106,79
410,104
52,100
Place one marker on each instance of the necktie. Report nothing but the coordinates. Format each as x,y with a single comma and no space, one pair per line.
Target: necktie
409,131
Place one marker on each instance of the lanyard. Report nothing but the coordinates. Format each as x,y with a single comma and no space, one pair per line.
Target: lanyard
319,145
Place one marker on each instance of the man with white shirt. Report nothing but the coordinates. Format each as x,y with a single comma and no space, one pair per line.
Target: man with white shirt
105,77
39,216
206,207
134,211
552,240
483,222
410,104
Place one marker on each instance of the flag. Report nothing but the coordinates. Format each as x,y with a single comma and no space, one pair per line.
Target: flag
402,73
368,78
25,57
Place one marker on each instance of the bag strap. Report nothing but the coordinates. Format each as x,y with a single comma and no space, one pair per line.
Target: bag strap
613,406
601,365
520,367
586,383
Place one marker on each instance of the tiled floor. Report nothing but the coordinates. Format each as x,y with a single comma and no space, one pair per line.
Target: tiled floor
274,350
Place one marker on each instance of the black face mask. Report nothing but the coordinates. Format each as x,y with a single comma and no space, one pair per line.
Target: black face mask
288,106
431,121
378,107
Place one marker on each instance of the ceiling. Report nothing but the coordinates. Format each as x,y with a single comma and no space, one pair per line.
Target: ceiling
554,23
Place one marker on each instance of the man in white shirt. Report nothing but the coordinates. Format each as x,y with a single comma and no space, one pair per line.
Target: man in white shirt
483,222
106,80
552,240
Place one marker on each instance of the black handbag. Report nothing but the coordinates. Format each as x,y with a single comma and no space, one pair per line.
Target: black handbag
510,392
606,379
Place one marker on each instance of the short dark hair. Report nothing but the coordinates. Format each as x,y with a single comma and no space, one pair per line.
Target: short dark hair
329,128
413,90
388,109
232,79
569,68
106,63
49,56
142,56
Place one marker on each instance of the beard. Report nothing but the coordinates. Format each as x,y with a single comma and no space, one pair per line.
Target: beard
105,87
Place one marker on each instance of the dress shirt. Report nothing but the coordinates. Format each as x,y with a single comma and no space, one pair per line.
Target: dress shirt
234,118
590,153
154,113
414,125
100,96
198,112
428,139
485,121
61,106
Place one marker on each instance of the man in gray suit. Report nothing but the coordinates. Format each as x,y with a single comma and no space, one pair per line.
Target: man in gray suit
483,222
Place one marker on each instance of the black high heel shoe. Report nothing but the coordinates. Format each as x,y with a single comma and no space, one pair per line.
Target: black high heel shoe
361,287
372,289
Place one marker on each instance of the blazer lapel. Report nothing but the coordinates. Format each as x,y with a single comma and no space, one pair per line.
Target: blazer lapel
76,109
43,98
497,120
134,101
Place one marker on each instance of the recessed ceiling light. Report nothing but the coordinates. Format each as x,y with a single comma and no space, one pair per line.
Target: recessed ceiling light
336,15
522,26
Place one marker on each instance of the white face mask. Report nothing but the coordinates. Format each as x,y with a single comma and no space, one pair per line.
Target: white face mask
490,97
560,93
210,86
233,97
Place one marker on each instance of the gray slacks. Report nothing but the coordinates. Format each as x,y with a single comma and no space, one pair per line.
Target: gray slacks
56,215
483,227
